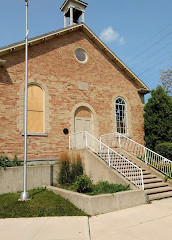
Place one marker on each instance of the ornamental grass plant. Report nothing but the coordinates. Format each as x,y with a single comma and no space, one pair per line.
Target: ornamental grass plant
70,168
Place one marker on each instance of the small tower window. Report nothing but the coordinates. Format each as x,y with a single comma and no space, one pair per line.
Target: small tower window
121,115
81,55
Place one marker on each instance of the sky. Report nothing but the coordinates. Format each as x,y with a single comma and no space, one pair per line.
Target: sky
139,32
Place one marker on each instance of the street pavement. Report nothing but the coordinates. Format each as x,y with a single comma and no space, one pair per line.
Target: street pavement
146,222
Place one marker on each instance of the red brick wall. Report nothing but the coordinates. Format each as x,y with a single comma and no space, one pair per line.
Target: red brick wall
53,65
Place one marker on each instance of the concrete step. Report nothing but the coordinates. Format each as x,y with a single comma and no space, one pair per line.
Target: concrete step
155,185
158,190
127,166
146,172
152,180
149,176
160,195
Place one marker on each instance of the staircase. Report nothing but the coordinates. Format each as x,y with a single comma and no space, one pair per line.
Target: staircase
139,165
153,179
154,186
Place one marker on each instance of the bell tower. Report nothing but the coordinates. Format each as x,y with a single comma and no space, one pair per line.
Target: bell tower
73,9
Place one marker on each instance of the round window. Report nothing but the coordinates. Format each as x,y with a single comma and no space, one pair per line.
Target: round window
81,55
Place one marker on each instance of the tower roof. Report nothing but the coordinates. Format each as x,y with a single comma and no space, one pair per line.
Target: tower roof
74,1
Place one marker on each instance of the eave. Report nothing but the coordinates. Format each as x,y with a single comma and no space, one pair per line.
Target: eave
143,91
2,63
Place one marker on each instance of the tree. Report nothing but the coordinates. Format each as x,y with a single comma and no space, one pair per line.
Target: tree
166,79
158,118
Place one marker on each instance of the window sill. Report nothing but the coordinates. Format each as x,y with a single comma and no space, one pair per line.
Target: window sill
36,134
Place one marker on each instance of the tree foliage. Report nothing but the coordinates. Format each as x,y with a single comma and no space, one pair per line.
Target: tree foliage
165,149
158,118
166,80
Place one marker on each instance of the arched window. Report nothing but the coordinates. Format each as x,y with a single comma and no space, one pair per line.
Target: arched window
121,115
35,109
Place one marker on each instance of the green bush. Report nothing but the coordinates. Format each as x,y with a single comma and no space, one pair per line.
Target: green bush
5,162
16,161
82,184
164,149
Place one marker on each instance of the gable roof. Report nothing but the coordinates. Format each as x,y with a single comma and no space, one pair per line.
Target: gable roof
20,45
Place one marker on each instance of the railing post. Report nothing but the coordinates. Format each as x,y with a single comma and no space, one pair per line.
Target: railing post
109,157
69,142
146,161
86,139
100,144
119,141
142,179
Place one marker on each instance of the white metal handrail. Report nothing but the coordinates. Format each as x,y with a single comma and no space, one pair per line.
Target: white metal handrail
128,169
148,156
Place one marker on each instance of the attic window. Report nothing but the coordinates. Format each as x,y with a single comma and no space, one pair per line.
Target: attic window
81,55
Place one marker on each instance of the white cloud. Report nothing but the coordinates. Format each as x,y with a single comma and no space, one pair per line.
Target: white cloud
110,35
121,41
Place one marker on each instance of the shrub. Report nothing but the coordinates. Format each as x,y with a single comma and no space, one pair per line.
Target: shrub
16,162
5,162
105,187
164,149
82,184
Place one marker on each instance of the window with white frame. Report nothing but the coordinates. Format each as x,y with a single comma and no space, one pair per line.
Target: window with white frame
121,115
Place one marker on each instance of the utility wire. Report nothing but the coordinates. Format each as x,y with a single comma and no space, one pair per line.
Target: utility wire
159,57
154,44
167,59
152,54
147,41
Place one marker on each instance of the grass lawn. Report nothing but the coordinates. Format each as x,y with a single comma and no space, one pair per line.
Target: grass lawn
42,203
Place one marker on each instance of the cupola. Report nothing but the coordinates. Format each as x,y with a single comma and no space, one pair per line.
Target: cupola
73,9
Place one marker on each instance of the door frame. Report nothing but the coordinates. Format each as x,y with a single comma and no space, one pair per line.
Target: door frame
95,130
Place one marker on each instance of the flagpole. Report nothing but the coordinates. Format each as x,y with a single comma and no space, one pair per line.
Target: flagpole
25,195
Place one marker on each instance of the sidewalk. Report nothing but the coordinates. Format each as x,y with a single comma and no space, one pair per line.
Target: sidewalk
145,222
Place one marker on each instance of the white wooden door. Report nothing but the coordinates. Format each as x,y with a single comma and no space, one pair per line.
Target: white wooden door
82,124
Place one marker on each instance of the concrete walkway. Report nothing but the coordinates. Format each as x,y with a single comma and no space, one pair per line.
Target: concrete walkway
145,222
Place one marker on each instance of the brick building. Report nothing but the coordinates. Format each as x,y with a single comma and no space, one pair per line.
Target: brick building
75,83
